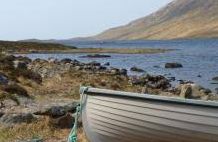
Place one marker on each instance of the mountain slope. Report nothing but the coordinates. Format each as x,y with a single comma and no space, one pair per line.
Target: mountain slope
179,19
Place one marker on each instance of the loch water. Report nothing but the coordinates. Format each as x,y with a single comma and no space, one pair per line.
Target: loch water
199,57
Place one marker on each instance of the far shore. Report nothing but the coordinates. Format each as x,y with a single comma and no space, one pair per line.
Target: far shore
101,50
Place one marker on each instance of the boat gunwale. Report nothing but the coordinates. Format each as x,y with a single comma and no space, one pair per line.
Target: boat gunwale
156,98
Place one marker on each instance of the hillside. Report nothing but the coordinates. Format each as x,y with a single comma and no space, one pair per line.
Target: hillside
179,19
11,46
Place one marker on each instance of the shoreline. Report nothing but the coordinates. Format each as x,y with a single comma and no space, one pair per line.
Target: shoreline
101,50
44,93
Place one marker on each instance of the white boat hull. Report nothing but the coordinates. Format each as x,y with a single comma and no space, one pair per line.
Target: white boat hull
111,116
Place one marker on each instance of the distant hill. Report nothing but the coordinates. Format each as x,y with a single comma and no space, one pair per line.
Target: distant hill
179,19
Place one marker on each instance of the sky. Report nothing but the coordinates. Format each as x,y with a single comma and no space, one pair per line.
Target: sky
63,19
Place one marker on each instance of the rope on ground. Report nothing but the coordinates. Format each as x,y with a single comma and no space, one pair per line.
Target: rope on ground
73,134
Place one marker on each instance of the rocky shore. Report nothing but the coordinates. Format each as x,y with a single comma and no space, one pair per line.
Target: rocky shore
38,97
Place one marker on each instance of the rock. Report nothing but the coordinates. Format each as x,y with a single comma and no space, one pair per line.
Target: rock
123,72
8,103
213,97
75,62
64,122
215,78
193,91
15,89
1,114
36,140
172,78
100,68
136,69
94,63
206,91
186,91
52,60
77,68
9,58
20,65
3,79
39,61
15,118
54,111
185,82
216,90
173,65
156,66
144,90
23,59
66,60
57,111
107,64
96,56
154,82
114,71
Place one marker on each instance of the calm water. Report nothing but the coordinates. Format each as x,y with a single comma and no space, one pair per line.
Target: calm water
199,57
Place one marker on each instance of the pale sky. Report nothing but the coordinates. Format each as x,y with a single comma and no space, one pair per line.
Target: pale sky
62,19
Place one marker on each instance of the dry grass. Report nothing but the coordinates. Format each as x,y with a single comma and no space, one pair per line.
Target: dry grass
68,85
41,129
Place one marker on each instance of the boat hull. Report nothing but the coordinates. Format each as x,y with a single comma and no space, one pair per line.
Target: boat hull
110,116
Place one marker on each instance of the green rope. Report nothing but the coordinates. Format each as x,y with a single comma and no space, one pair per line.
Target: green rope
73,134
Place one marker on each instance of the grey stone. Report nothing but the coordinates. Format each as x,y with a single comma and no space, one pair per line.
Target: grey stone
173,65
16,118
57,111
136,69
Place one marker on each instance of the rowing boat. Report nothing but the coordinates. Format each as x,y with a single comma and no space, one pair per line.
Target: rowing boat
115,116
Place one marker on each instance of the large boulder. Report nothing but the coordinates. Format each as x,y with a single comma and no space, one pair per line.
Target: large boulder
173,65
57,111
186,91
193,91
